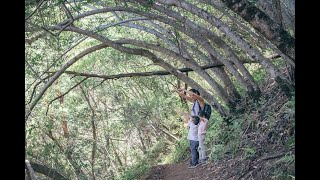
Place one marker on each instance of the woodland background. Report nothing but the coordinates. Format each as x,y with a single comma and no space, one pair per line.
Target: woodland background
100,78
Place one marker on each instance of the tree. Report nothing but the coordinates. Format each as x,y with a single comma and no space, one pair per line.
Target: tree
126,57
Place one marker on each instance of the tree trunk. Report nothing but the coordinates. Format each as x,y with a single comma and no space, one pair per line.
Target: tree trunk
189,63
231,90
257,35
219,71
143,146
30,171
197,34
282,81
52,173
211,99
116,154
264,24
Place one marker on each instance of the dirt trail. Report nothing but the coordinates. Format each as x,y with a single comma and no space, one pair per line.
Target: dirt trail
269,148
227,169
181,172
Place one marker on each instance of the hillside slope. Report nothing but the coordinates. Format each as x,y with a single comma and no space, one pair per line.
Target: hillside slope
265,148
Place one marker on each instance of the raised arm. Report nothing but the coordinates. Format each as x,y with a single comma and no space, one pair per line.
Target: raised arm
196,96
181,94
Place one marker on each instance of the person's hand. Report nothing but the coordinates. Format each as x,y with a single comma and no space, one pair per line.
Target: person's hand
180,91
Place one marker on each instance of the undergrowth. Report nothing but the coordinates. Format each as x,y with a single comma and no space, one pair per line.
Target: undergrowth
265,127
144,163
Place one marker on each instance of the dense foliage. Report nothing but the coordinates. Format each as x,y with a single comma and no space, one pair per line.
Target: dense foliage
100,79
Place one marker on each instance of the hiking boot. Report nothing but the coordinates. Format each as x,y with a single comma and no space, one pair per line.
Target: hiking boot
203,162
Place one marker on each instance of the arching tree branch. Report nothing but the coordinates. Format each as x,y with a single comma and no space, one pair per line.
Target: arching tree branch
58,74
64,93
150,73
264,24
142,52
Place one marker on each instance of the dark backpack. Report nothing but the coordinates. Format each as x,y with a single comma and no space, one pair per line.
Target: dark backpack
207,111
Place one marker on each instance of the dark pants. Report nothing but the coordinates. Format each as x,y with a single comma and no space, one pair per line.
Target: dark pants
194,152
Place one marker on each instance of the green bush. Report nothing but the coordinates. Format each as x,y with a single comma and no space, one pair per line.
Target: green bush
136,171
144,163
179,152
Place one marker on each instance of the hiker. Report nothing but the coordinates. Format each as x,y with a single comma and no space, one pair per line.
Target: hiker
193,96
198,106
201,136
193,125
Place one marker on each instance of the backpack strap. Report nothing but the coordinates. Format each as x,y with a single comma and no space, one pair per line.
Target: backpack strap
193,107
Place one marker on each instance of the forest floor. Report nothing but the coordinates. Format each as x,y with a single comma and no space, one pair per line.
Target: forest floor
226,169
274,150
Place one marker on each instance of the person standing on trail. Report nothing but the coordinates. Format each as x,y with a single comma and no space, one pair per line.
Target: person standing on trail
201,136
193,96
193,125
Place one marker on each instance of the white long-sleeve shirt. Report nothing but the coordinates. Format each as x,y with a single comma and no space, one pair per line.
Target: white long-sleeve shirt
193,131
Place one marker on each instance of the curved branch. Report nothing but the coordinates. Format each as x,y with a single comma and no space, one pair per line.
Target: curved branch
35,87
188,62
33,91
120,22
198,35
64,93
58,74
257,35
171,22
144,74
38,6
31,174
142,52
140,74
264,24
273,71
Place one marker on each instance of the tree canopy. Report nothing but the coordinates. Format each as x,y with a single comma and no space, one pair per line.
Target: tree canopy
111,67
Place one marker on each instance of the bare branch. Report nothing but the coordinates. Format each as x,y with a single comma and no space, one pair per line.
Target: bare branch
141,74
35,87
64,7
33,71
30,85
30,170
33,91
98,84
67,11
34,38
65,93
64,53
38,6
94,133
120,22
58,74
